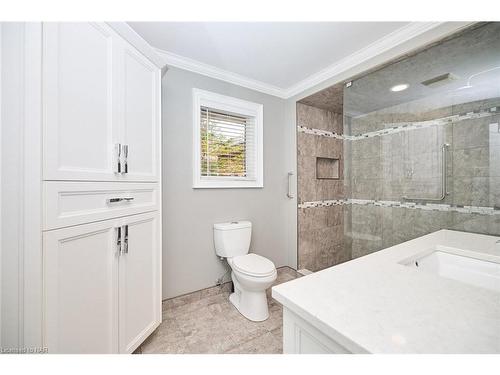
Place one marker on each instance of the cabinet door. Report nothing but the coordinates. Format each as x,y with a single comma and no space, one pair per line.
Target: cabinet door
139,281
78,106
139,112
80,289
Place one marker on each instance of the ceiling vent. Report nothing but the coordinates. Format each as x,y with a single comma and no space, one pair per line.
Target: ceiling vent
440,80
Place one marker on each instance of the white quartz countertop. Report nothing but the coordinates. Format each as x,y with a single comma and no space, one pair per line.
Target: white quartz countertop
374,304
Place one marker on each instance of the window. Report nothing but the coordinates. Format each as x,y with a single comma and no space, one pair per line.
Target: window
227,141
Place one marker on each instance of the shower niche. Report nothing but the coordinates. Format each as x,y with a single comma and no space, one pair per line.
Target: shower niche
327,168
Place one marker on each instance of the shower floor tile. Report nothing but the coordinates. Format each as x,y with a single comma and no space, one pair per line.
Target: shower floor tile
206,322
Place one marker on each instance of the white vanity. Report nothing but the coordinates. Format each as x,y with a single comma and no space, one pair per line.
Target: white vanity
439,293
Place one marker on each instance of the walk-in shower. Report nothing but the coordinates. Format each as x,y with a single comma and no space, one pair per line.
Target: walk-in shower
417,150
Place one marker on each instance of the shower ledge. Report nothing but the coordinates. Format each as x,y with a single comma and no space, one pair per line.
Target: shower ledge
381,303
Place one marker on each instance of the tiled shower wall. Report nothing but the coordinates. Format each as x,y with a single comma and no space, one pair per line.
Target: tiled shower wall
390,149
408,163
320,229
405,160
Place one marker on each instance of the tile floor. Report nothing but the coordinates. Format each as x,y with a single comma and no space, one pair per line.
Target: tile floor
206,322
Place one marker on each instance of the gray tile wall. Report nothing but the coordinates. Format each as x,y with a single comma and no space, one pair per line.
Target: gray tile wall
320,230
390,153
409,164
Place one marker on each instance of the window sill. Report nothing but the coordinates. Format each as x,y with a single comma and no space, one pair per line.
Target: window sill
228,185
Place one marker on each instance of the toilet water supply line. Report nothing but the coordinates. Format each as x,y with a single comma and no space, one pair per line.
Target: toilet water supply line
220,280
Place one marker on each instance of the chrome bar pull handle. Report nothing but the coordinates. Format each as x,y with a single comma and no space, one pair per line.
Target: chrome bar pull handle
125,158
125,240
118,158
289,194
119,240
116,200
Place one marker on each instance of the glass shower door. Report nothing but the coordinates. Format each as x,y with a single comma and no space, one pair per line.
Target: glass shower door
423,144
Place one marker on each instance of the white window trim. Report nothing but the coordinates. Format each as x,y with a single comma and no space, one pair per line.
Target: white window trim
237,106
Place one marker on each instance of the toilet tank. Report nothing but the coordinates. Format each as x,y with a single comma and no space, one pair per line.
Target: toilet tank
233,238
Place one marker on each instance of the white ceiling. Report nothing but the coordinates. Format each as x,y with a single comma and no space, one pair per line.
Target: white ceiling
278,54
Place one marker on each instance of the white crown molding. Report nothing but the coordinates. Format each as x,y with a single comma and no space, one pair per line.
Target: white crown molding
224,75
130,35
377,48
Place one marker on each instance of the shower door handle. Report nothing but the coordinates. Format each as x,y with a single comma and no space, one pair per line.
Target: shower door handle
444,180
289,194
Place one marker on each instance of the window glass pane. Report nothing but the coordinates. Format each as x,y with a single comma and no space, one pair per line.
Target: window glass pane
223,144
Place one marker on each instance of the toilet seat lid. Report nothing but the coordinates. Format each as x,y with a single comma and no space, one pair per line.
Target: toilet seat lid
253,264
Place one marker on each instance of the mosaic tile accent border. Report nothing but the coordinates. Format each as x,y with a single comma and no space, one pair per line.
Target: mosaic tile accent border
402,126
411,205
325,203
323,133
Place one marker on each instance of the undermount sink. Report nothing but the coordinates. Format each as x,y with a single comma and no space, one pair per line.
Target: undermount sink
472,271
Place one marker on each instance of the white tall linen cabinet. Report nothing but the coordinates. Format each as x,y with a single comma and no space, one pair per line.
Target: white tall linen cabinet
95,279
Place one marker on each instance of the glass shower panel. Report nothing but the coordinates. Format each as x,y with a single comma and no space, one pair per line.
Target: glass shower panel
476,137
422,144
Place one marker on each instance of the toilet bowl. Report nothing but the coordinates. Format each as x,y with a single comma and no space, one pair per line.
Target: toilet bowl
251,274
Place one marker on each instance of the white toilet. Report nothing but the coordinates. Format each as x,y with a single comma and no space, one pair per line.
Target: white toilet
252,274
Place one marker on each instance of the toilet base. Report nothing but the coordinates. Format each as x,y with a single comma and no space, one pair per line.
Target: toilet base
251,304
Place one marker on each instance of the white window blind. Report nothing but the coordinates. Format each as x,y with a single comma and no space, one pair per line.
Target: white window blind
227,145
228,142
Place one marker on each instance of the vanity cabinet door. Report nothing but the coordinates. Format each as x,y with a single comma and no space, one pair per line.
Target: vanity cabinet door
139,280
80,268
79,122
139,114
300,337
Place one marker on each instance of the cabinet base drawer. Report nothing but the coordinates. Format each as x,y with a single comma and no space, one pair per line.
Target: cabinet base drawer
73,203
